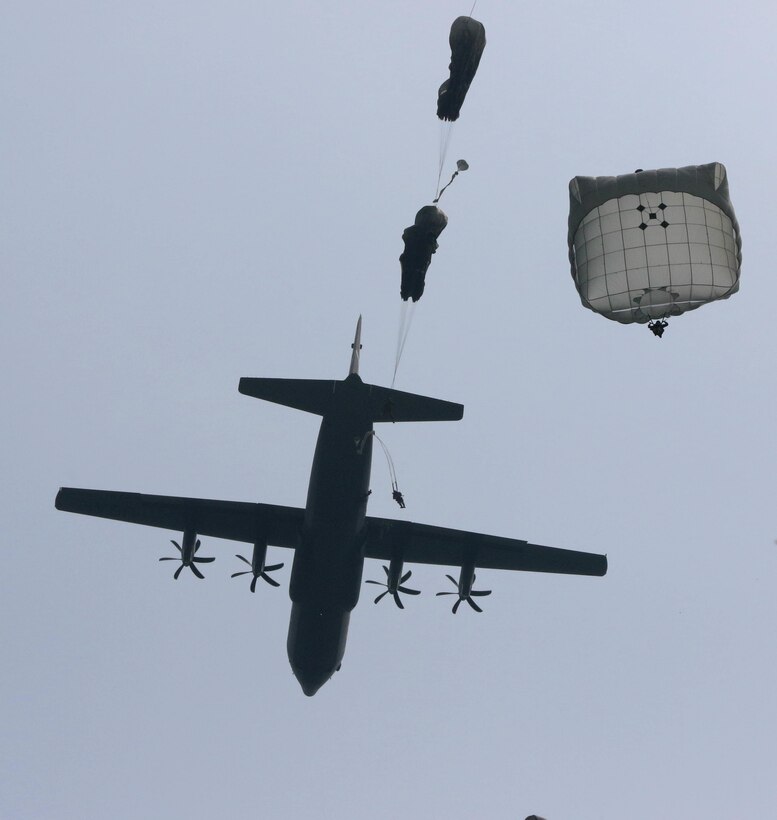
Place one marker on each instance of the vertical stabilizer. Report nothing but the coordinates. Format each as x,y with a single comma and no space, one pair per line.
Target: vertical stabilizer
356,346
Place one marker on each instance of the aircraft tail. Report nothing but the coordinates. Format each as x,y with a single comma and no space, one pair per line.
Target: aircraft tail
379,404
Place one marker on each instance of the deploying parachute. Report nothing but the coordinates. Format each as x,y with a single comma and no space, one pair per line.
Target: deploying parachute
420,243
467,40
653,244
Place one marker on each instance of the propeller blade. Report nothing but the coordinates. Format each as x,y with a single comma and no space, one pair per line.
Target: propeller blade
446,593
196,571
271,581
204,560
480,592
380,596
273,568
405,576
474,605
197,545
456,606
452,580
245,572
398,601
171,558
176,545
178,572
253,583
386,570
244,559
412,591
379,583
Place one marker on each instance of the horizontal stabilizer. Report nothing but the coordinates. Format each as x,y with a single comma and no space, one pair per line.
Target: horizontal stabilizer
394,405
377,403
310,395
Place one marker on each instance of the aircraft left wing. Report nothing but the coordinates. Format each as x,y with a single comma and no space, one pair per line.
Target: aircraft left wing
234,520
424,544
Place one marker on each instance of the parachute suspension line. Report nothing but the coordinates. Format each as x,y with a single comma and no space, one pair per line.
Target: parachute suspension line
473,8
406,314
410,316
445,139
400,333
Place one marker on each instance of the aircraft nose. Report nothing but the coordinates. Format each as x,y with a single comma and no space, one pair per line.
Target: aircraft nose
316,644
311,680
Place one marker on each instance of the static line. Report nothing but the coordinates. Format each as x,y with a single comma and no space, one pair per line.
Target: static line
390,462
360,450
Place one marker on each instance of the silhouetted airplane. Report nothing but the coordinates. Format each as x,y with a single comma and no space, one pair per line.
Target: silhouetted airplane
332,535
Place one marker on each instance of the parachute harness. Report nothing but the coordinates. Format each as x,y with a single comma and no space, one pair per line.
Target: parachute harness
657,326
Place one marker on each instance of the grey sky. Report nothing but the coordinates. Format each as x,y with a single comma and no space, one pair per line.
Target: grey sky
194,192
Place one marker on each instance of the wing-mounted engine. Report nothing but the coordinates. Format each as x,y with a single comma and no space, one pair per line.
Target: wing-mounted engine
464,589
188,554
258,567
394,582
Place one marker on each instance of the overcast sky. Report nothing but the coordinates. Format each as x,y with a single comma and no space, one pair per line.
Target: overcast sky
193,192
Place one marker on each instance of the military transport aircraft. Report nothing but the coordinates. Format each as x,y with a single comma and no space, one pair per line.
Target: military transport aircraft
333,534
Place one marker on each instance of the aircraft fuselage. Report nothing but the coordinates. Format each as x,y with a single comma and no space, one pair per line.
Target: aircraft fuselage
327,572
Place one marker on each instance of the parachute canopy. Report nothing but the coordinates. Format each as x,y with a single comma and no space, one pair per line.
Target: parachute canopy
420,243
653,244
467,40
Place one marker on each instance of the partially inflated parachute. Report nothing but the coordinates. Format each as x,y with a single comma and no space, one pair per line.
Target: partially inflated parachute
467,40
420,243
653,244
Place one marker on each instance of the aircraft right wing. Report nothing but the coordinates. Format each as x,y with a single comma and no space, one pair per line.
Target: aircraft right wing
424,544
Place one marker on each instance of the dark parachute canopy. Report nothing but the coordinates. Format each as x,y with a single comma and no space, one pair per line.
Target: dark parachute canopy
653,244
420,243
467,40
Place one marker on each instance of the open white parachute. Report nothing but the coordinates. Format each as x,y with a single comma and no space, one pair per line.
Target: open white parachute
653,244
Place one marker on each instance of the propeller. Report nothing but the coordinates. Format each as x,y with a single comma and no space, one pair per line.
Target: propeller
258,569
465,595
188,556
394,583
